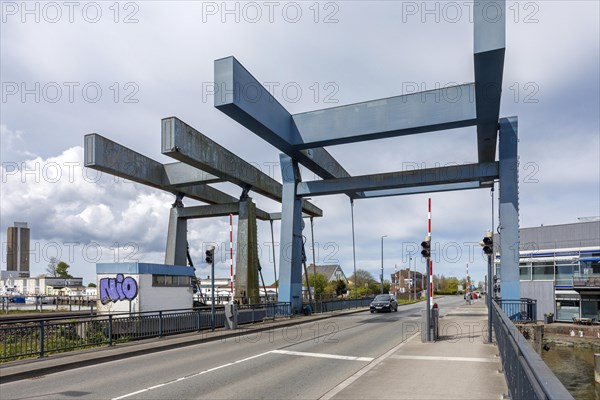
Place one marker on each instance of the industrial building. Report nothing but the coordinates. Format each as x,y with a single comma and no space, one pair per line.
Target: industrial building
559,266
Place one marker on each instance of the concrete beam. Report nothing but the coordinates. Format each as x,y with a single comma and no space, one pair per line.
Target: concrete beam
105,155
400,180
188,145
180,174
218,210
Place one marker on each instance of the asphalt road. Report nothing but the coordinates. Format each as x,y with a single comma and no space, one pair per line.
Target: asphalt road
303,361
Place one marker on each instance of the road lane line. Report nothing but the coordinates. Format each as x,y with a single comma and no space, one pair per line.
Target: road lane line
441,358
190,376
322,355
364,370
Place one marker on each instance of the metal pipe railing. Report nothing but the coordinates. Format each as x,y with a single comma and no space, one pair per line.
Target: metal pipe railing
44,335
527,376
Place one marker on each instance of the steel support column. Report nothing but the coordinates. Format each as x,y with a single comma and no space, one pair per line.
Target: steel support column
290,256
509,209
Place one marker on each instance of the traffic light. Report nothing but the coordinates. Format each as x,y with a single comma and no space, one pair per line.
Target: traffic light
210,254
426,245
488,243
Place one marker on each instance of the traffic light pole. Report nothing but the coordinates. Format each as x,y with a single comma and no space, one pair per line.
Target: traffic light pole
210,258
489,297
428,319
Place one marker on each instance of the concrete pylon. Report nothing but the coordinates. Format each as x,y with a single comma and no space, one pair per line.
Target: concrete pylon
246,273
176,252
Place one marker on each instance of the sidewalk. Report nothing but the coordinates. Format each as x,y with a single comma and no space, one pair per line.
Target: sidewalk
460,365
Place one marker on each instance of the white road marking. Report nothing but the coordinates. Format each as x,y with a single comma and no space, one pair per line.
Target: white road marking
435,358
293,353
189,376
364,370
321,355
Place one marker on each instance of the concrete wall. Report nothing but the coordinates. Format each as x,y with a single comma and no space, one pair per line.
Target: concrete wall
543,292
153,298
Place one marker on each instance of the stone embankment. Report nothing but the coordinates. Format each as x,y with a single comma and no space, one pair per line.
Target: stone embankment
573,335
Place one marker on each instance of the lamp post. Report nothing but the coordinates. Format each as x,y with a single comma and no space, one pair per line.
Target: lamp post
395,280
382,262
414,278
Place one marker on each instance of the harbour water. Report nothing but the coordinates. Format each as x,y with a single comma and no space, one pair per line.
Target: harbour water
574,367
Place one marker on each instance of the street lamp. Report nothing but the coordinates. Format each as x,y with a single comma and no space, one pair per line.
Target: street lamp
382,262
413,279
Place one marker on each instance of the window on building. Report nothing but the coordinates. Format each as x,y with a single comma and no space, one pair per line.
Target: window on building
543,271
525,271
566,310
564,272
171,280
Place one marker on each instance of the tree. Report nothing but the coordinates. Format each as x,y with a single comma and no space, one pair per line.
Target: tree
51,269
62,270
362,277
91,284
320,285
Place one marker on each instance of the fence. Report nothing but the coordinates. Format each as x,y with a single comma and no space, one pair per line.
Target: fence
527,376
19,339
335,305
522,310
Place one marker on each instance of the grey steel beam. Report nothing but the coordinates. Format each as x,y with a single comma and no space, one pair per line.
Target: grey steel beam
290,243
218,210
105,155
186,144
433,110
489,17
509,209
426,189
240,96
403,179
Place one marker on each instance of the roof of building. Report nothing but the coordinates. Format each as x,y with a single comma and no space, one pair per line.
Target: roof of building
578,234
327,270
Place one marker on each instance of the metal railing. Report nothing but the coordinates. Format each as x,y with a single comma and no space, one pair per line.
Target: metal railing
336,305
522,310
527,376
26,338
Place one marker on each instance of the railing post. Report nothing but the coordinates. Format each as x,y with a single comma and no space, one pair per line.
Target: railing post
41,338
160,324
110,335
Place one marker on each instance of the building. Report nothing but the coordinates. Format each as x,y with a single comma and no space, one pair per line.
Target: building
333,273
402,282
17,251
45,285
560,268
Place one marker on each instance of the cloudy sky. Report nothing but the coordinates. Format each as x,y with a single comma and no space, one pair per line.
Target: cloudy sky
117,68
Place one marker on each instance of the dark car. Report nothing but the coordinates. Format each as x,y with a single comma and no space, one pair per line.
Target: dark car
384,302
